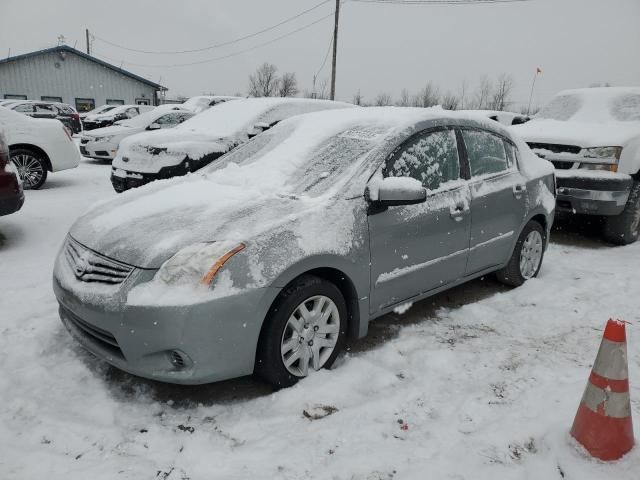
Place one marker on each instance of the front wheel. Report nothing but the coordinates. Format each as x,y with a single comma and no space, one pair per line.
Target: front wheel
624,229
304,331
31,168
526,259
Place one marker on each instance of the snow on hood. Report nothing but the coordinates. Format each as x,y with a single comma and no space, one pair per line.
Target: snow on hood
581,134
105,131
229,201
216,130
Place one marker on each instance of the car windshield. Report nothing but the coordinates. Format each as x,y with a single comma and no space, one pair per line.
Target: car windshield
626,107
143,120
562,107
320,169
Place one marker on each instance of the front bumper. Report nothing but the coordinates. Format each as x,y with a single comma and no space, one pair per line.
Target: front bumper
598,195
193,344
98,150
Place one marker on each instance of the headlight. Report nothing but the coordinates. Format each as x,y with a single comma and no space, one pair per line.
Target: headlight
108,138
198,263
609,155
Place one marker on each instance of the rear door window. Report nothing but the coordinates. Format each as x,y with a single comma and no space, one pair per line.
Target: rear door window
430,157
486,152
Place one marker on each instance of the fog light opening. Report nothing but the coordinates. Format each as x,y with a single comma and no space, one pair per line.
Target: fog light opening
178,360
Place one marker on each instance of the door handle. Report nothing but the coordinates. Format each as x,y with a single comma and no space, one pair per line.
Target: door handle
518,190
456,212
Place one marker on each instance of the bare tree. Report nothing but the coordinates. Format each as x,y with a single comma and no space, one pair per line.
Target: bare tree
483,94
264,82
428,96
383,99
288,85
463,92
450,101
357,98
404,98
322,90
501,97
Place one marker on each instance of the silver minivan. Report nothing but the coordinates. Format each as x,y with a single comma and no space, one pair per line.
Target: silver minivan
266,260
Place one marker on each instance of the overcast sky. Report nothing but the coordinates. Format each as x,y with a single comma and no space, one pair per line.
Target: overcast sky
382,48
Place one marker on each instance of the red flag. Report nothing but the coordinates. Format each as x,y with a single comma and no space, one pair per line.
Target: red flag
538,70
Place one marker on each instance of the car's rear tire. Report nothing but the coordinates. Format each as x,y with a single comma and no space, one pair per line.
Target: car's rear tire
305,330
32,168
527,256
624,229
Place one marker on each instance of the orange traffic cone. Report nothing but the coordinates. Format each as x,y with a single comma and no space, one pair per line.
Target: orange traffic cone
603,423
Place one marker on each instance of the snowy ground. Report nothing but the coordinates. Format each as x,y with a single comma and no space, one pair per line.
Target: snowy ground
478,383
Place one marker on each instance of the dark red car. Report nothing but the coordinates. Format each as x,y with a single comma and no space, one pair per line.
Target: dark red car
11,194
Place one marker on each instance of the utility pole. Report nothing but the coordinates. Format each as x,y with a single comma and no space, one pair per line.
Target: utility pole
88,43
335,52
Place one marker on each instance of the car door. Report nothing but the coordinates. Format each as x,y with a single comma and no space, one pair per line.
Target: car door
498,196
417,248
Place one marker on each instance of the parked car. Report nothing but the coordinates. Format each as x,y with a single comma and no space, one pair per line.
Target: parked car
505,118
200,140
11,193
50,110
269,258
97,111
592,136
204,102
102,143
37,146
122,112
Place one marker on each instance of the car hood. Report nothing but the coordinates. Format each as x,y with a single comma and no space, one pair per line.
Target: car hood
582,134
146,226
112,130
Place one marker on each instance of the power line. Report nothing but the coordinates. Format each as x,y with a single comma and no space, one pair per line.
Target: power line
218,45
210,60
438,2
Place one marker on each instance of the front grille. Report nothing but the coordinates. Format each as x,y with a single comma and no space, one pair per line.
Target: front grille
555,147
88,266
84,140
563,165
105,339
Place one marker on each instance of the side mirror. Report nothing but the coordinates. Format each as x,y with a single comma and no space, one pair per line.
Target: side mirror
392,191
154,126
519,120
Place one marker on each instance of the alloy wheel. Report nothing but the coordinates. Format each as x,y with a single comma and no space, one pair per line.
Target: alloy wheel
29,168
531,255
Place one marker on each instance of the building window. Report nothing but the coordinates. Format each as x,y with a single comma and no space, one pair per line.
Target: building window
111,101
143,101
85,104
45,98
15,97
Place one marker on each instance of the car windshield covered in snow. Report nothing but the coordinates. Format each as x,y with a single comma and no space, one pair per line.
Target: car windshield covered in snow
145,119
594,105
323,166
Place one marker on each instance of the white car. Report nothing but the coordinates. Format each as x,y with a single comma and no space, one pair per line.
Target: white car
97,111
102,143
592,137
122,112
203,102
37,146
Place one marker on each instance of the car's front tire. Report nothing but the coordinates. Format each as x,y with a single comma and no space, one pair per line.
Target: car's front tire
527,256
624,229
304,331
31,167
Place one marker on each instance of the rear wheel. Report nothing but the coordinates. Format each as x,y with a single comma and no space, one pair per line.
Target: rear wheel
31,167
304,331
624,229
526,259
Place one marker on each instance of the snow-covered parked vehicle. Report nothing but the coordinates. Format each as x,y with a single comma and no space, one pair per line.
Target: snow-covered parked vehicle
11,193
102,143
505,118
97,111
269,258
592,137
37,146
197,142
111,116
201,103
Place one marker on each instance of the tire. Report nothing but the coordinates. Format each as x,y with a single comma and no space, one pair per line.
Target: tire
514,274
624,229
278,334
32,168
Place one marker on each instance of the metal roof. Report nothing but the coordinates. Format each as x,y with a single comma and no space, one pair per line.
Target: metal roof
67,48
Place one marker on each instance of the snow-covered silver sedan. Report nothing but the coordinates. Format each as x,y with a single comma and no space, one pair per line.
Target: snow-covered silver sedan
268,259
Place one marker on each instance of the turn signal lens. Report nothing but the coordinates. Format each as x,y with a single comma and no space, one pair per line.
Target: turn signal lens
208,277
